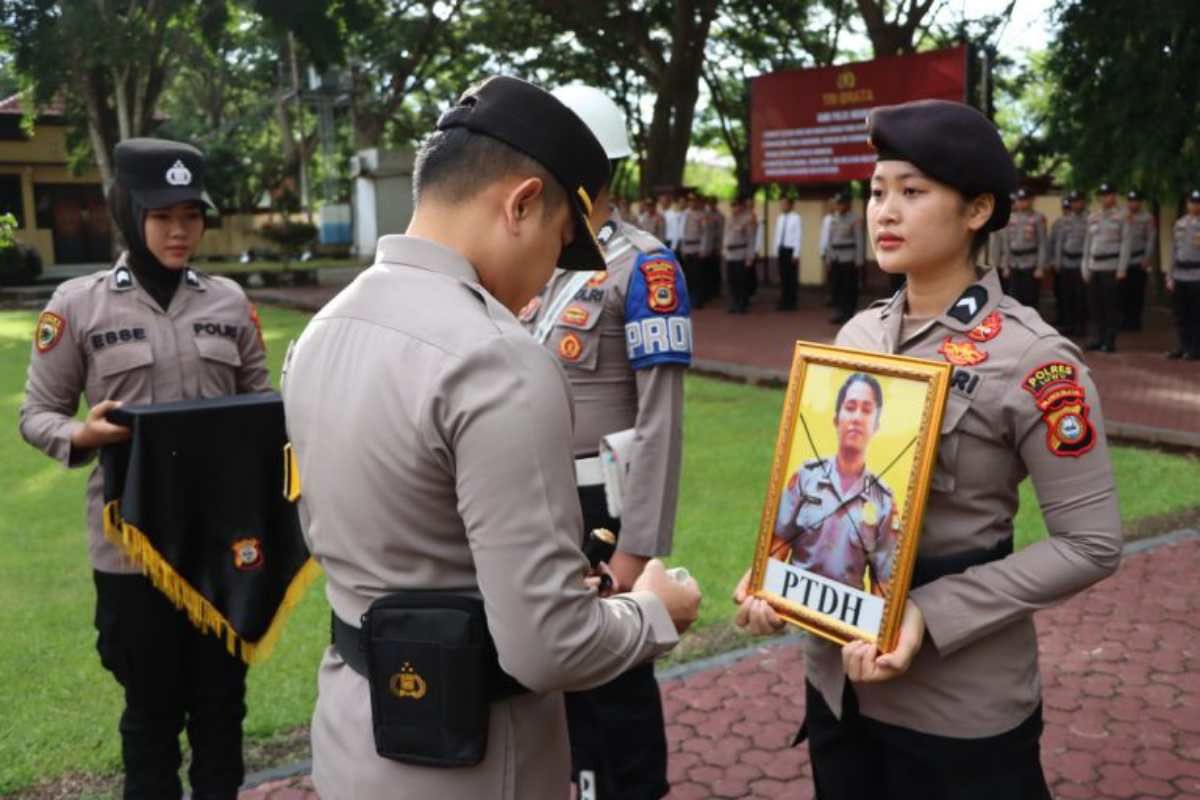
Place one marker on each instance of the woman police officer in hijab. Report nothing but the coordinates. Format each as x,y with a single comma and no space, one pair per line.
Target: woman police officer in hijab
141,332
955,710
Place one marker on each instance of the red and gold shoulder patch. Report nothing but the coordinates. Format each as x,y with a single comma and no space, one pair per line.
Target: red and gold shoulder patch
570,348
247,554
962,354
530,309
597,279
987,329
257,325
1063,403
662,292
575,315
49,331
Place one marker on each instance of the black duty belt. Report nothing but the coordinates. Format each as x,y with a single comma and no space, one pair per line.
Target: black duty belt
1106,257
843,246
347,639
1028,252
1187,265
930,568
1138,254
1069,254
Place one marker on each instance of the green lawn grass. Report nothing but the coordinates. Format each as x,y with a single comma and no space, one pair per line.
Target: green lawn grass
60,707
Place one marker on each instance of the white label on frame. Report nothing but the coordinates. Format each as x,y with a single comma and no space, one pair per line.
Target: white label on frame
832,598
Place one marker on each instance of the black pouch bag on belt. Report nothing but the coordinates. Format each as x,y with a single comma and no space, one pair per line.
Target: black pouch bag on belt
427,657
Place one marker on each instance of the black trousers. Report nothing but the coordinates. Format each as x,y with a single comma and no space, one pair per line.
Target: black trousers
1104,305
712,277
1024,287
1072,310
174,677
857,757
844,279
737,275
1133,298
788,279
1187,316
693,275
618,736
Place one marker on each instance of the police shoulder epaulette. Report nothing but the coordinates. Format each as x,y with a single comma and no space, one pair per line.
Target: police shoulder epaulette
874,480
814,463
642,241
1026,317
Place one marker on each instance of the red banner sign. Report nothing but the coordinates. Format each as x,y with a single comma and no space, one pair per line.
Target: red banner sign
809,125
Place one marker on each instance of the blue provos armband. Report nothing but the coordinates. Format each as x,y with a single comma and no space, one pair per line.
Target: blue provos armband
658,328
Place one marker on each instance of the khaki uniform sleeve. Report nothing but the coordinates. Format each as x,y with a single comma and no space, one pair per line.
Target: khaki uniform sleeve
54,382
1042,250
253,375
503,413
652,493
1126,248
1151,239
1086,264
1078,500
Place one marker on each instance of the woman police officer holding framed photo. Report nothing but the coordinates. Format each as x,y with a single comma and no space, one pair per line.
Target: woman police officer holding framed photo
142,332
955,710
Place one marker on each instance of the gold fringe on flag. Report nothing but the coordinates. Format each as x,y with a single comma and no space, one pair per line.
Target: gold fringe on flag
203,614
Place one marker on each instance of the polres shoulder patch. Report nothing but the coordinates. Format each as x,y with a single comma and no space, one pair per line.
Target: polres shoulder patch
658,329
1062,401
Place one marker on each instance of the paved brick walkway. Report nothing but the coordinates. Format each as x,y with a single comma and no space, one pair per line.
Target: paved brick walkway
1121,665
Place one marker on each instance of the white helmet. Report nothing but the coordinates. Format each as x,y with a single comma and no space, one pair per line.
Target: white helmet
600,114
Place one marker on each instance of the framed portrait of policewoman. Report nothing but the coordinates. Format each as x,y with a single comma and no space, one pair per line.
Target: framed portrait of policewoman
852,469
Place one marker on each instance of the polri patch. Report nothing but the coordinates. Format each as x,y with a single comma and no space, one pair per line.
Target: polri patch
49,331
965,382
570,348
662,293
988,328
1062,400
962,354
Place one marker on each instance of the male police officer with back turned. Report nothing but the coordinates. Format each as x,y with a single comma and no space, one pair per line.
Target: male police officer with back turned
623,335
432,438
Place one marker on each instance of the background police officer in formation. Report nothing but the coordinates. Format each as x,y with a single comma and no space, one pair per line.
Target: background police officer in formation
842,250
1023,252
1143,243
433,438
623,336
1183,279
739,255
1105,261
651,220
1067,239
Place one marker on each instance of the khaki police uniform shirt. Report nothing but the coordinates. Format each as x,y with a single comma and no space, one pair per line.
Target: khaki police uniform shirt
654,224
1024,240
739,241
1106,247
845,244
592,341
432,435
1143,238
1185,249
691,226
1070,231
104,337
1021,403
713,235
834,529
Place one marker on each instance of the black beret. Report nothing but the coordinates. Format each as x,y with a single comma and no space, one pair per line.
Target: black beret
1135,194
1066,201
1106,188
1194,196
1074,195
1024,194
953,144
842,197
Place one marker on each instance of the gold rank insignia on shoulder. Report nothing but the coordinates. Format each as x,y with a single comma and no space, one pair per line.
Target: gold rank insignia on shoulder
870,514
408,683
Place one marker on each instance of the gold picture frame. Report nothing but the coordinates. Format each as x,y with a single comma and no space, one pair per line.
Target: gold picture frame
833,521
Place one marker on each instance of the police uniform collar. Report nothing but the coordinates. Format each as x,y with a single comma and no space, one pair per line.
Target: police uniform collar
411,251
976,302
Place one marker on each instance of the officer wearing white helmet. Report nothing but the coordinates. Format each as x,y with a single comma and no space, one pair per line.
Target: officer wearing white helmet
624,338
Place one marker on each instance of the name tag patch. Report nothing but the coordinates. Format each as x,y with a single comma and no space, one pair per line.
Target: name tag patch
216,329
120,336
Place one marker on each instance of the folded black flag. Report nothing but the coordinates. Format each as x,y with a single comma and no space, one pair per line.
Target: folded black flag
202,498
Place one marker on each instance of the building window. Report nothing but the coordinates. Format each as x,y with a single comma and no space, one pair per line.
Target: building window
11,201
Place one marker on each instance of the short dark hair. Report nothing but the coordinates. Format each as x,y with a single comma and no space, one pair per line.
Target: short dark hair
869,380
456,164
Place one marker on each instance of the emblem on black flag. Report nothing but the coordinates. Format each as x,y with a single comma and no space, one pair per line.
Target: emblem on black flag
247,554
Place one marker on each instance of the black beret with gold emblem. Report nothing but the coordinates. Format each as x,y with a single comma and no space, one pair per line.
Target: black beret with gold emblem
953,144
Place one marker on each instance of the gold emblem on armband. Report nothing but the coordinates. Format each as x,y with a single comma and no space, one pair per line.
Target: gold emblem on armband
407,683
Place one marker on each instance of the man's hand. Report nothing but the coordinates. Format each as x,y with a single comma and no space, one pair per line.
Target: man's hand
1038,273
681,598
627,568
1120,276
98,431
1170,284
864,664
755,614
